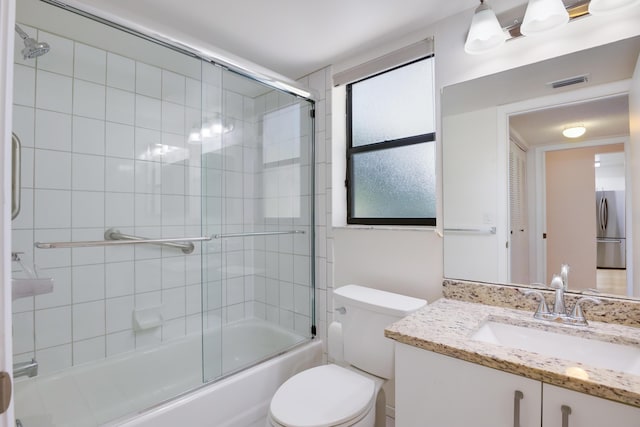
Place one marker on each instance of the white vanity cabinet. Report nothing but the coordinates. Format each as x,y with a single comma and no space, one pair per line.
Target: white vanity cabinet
433,390
582,410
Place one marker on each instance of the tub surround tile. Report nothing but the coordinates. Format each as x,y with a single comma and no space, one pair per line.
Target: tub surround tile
446,326
612,309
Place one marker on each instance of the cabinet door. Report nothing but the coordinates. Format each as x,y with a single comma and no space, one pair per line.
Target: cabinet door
586,411
433,390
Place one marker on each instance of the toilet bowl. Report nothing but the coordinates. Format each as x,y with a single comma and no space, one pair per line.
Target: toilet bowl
347,392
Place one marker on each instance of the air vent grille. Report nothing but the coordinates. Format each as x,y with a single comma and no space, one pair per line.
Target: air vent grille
570,81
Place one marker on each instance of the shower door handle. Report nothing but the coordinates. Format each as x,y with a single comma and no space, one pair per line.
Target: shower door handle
16,150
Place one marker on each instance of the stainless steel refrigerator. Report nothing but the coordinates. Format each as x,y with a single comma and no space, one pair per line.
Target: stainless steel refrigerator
610,220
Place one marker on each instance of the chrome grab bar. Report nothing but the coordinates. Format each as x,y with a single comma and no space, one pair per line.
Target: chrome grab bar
114,238
16,151
471,230
256,233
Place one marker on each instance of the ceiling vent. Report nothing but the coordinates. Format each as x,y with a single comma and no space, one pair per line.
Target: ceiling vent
570,81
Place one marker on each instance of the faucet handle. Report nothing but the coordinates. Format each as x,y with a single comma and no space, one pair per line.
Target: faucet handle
542,307
577,313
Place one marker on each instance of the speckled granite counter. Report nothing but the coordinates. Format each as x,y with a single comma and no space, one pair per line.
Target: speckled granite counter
446,327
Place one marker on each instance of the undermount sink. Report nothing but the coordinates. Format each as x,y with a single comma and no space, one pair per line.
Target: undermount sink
591,352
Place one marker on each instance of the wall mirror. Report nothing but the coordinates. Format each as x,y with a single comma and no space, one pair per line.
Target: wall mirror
519,198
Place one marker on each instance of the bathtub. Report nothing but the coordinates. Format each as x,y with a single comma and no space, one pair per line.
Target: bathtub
109,391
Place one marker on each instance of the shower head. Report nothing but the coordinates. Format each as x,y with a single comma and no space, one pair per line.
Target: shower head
32,47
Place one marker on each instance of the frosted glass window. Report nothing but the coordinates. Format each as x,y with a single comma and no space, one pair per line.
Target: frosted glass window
393,105
391,147
394,183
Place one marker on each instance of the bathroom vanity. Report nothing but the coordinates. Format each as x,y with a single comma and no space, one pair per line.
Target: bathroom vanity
460,363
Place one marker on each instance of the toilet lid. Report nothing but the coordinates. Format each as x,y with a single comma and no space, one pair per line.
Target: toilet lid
327,395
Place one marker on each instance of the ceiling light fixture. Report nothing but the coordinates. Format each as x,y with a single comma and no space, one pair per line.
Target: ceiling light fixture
485,32
602,7
574,131
543,15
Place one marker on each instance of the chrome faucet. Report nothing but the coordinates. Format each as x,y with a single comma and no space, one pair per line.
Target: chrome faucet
25,369
559,313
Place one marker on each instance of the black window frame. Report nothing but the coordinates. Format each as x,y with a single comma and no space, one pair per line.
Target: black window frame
378,146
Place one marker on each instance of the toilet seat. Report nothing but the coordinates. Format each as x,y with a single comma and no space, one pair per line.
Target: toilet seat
327,395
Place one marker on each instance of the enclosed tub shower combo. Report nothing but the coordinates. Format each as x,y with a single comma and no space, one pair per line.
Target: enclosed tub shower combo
163,229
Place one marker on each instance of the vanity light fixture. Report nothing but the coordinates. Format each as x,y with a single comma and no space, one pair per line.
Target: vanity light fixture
485,32
543,15
574,131
540,16
602,7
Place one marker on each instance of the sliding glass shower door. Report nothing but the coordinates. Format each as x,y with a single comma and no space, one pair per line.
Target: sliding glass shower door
257,184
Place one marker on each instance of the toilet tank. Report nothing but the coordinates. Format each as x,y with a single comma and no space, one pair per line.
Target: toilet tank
367,312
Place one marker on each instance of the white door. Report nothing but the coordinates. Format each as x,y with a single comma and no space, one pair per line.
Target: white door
566,408
7,22
518,214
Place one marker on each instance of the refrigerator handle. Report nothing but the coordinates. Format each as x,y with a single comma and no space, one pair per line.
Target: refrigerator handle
606,214
600,213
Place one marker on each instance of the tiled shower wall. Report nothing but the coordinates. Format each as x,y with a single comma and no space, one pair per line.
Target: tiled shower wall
105,145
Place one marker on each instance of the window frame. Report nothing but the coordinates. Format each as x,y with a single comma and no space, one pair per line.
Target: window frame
378,146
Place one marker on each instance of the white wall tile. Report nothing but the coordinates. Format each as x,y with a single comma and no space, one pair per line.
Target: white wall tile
60,58
53,327
90,63
119,175
119,140
52,169
88,136
89,350
120,342
87,209
147,142
173,272
148,210
173,210
120,106
85,256
87,172
23,330
193,93
173,329
52,209
24,85
54,359
148,276
24,125
119,313
148,177
53,130
173,301
88,320
121,72
173,179
61,294
88,99
88,283
53,92
173,118
119,279
173,87
193,298
148,80
119,210
148,112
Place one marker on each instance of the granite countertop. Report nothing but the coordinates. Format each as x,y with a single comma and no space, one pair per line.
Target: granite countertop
446,326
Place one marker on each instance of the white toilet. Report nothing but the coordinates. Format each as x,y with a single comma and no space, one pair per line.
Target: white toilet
347,392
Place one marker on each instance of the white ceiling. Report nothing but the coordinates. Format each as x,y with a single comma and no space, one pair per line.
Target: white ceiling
290,37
